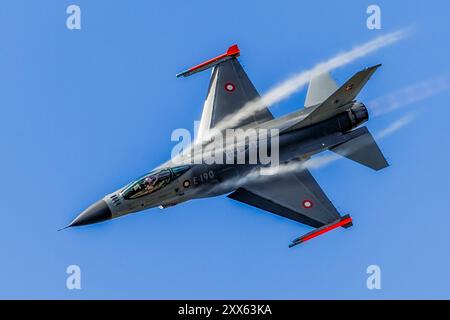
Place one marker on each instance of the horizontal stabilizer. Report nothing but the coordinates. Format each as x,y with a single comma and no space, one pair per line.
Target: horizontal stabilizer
362,149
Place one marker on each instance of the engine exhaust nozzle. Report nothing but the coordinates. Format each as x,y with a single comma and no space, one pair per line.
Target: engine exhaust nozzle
358,114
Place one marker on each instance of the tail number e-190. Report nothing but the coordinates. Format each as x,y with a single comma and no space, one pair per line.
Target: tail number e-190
204,177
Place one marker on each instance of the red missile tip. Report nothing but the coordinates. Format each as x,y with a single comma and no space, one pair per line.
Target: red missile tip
233,50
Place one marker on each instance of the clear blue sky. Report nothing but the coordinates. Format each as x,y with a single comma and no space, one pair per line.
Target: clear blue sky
84,112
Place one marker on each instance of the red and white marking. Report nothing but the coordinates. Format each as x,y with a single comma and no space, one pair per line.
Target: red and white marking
307,204
186,183
230,87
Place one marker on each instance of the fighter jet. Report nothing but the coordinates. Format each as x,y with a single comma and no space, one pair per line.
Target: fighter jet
329,121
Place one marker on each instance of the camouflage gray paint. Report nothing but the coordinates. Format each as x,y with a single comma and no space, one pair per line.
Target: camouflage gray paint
327,122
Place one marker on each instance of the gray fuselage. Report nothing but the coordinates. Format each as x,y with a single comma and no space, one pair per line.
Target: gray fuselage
207,180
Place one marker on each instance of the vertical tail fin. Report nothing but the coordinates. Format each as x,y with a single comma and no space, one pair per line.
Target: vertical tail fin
337,102
320,88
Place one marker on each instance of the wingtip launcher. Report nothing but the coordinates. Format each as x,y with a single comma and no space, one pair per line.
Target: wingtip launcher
232,52
345,222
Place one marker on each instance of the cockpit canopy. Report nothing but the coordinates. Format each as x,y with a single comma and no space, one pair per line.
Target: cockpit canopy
153,181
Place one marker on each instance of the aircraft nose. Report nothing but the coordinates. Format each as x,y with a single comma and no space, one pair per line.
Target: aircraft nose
97,212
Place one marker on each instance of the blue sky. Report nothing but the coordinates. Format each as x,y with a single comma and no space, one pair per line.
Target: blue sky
84,112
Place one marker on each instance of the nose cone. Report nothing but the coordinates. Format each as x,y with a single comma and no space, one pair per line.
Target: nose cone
98,212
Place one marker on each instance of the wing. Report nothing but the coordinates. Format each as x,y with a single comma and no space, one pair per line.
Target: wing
296,196
229,90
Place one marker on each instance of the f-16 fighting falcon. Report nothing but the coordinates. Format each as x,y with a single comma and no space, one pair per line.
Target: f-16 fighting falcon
330,120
